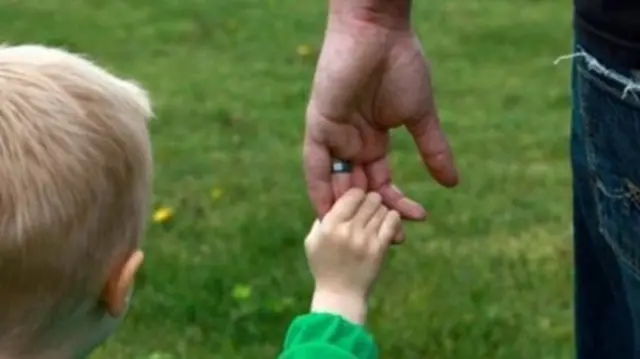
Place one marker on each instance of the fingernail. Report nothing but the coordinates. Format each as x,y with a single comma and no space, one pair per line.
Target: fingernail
396,188
411,209
399,238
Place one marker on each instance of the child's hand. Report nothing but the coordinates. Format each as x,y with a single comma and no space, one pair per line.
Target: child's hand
345,252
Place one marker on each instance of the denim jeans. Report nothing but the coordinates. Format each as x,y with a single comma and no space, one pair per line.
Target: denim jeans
605,156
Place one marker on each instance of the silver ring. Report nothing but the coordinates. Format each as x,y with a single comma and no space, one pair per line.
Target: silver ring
339,166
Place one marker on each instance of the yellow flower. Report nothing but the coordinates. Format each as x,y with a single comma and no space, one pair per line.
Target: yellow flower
162,215
303,50
216,193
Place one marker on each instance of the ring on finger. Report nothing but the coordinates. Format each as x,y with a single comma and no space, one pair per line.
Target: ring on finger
340,166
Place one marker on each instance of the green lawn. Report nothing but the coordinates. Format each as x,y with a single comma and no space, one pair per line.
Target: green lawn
487,277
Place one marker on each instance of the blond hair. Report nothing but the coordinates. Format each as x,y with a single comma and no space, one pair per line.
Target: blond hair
75,175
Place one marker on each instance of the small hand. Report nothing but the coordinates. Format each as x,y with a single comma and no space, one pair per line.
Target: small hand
346,249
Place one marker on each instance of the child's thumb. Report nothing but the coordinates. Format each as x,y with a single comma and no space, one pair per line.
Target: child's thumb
313,237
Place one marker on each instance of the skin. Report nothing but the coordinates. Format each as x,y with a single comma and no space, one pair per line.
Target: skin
120,284
80,335
371,77
346,250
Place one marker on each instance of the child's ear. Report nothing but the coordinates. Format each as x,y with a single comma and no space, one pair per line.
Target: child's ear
118,287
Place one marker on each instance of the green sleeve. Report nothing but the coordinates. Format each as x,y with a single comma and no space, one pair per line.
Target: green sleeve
327,336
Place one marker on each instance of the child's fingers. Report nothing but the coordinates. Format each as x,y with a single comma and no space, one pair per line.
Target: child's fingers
368,208
345,207
376,221
389,228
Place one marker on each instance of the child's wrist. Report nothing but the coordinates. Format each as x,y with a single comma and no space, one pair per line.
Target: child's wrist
350,305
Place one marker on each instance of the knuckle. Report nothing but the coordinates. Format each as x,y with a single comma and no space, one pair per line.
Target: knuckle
359,248
374,251
332,233
342,233
356,193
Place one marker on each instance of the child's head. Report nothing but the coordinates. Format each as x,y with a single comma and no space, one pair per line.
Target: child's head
75,177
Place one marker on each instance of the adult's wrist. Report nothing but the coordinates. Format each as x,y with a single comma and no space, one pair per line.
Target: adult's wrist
349,305
392,14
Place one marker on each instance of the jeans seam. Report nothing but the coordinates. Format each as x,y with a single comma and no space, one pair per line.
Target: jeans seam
595,186
630,101
588,64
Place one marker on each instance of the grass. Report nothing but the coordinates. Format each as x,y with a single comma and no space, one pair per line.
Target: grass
487,277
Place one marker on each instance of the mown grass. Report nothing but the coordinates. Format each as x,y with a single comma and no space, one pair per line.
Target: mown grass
487,277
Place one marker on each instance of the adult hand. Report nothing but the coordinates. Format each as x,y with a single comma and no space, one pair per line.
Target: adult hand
371,77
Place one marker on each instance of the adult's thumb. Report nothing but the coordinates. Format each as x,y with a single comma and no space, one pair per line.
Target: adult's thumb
434,150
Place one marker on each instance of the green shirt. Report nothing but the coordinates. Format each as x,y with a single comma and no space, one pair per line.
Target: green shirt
327,336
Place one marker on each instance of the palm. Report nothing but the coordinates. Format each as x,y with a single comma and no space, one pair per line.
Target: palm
384,83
